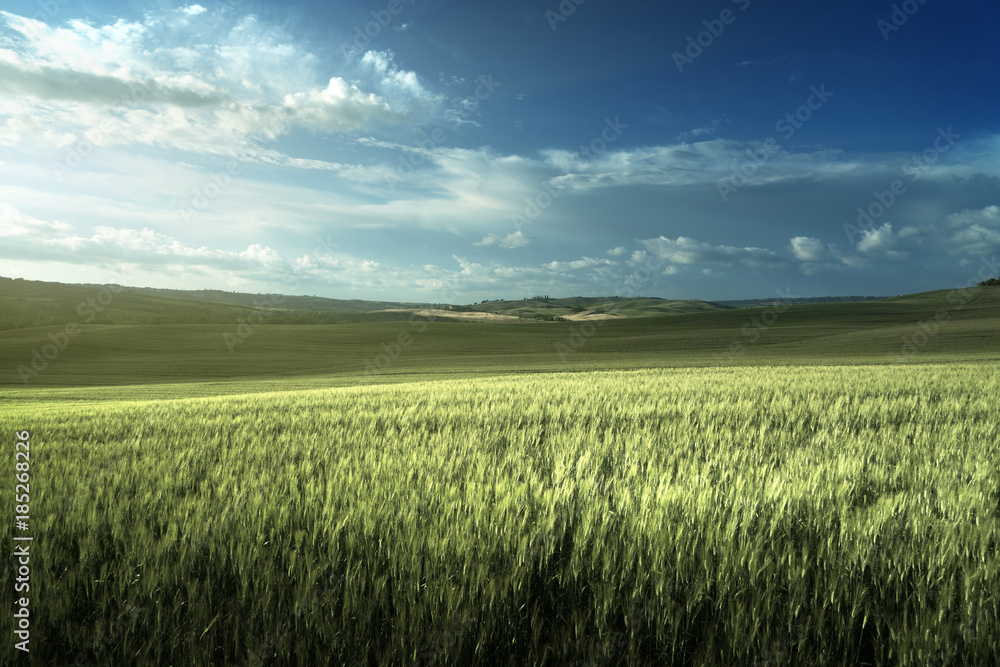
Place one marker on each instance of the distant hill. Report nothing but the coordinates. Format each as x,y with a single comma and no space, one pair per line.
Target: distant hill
580,307
942,326
32,303
754,303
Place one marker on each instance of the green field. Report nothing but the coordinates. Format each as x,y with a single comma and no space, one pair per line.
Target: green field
355,353
639,492
617,306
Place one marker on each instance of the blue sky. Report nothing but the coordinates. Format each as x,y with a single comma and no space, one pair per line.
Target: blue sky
451,151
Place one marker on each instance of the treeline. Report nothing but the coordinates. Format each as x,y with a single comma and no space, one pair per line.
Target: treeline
25,321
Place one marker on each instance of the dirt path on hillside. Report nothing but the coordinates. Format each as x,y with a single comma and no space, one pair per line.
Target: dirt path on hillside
590,315
457,314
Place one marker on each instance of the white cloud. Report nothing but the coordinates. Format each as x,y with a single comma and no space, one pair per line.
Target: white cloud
13,223
59,241
20,77
582,263
808,249
340,107
975,232
190,80
684,250
617,252
516,239
879,239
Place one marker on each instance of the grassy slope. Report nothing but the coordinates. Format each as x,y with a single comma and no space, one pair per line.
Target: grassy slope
26,303
622,307
193,361
337,354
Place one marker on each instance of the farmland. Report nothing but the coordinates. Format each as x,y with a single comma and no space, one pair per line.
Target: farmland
483,500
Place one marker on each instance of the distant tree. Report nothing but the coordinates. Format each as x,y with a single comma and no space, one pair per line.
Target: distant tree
992,282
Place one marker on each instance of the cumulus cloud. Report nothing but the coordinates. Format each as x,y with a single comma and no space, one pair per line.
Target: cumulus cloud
516,239
582,263
191,80
392,77
975,232
808,249
339,107
105,243
13,223
879,239
684,250
151,252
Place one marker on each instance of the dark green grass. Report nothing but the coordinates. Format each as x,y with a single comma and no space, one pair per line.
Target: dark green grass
618,306
386,351
29,303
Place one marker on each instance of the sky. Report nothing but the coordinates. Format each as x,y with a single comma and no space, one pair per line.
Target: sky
450,152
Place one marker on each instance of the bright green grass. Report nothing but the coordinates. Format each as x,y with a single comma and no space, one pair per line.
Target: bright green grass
730,516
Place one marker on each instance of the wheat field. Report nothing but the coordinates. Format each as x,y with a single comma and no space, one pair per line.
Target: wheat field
756,515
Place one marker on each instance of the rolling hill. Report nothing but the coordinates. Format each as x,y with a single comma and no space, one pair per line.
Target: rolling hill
934,326
29,303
